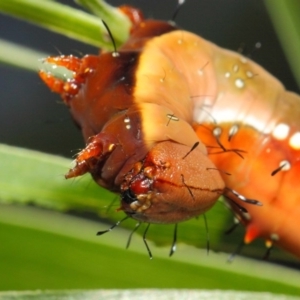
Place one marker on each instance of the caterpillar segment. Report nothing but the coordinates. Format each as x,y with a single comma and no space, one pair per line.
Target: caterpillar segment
253,128
170,110
134,145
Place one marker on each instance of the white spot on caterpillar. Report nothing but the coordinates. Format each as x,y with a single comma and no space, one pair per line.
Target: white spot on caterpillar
294,141
284,165
235,68
239,83
217,131
281,131
249,74
127,122
115,54
162,79
227,74
200,72
233,130
244,60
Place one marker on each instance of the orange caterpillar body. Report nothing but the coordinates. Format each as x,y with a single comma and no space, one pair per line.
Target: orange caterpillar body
169,115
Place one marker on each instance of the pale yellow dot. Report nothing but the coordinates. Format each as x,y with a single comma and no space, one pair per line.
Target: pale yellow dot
111,147
235,68
200,72
227,74
244,60
249,74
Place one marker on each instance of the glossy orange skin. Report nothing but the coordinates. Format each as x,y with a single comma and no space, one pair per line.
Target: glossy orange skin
275,221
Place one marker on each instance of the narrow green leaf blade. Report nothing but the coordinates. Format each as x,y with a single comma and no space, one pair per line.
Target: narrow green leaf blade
57,251
33,177
286,20
116,20
68,21
20,56
133,294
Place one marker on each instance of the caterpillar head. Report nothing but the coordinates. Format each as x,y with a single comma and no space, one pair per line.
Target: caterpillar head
170,184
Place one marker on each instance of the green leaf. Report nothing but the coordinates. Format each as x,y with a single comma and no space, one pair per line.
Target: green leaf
286,20
142,294
117,22
33,177
46,250
71,22
20,56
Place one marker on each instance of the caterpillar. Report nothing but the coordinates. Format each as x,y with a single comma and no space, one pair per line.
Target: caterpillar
172,122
